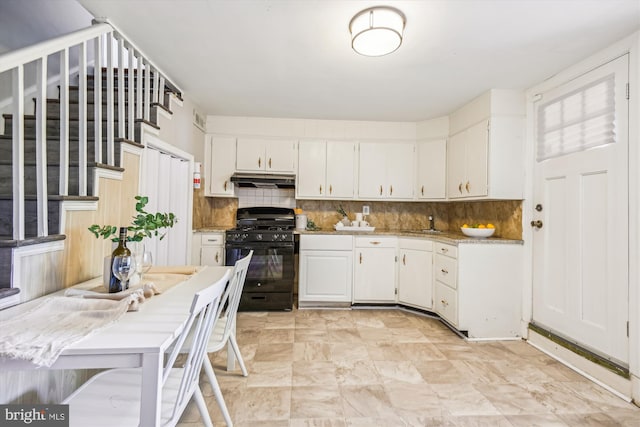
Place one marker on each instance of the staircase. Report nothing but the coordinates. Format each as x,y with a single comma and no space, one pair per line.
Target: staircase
56,153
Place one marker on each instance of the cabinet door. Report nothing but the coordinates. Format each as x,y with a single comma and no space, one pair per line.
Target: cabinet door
372,180
399,171
415,278
221,165
477,148
341,158
456,158
250,154
432,161
280,156
326,276
446,302
312,162
212,255
375,273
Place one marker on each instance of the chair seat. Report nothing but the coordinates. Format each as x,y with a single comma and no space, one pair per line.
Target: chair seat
217,341
112,398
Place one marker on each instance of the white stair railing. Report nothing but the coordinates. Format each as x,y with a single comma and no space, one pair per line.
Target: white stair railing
95,46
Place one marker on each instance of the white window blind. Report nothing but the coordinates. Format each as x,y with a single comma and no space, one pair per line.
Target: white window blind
578,120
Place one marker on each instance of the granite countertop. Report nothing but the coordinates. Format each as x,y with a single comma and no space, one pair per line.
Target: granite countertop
452,238
444,237
212,229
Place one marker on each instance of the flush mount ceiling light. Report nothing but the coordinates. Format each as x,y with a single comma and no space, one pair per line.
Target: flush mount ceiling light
377,31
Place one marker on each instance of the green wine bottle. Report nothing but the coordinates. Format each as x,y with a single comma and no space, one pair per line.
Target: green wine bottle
115,284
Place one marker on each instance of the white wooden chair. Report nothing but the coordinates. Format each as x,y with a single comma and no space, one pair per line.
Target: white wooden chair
112,398
224,331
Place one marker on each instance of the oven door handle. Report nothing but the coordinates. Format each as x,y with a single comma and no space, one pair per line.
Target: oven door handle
258,246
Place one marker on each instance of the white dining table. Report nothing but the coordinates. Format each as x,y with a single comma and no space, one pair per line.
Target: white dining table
137,339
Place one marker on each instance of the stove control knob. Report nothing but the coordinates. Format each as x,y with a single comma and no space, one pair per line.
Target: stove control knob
244,236
275,237
258,236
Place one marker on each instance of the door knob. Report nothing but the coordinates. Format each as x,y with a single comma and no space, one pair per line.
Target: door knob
536,224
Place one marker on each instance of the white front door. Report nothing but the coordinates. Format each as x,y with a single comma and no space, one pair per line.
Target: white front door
580,248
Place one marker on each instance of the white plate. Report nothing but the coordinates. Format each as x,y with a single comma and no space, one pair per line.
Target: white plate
478,232
350,228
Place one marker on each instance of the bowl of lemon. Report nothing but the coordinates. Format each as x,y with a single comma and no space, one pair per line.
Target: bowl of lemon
480,231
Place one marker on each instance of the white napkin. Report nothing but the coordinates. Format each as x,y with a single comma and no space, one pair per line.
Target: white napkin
137,295
42,333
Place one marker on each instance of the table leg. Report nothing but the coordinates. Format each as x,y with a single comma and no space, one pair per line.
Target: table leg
151,393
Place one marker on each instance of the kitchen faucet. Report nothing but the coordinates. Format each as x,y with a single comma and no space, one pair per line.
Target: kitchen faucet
431,223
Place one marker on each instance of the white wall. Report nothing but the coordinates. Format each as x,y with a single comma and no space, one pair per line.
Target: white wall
179,130
437,128
306,128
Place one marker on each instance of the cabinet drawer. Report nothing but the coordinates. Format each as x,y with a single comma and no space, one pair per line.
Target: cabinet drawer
376,242
446,303
416,244
445,270
212,239
444,249
326,243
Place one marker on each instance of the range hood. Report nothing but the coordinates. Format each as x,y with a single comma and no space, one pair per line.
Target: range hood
263,180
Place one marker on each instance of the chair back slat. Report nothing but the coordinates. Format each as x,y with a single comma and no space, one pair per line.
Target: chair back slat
202,317
234,293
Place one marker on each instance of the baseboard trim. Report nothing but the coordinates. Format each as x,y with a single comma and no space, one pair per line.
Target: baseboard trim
616,384
581,351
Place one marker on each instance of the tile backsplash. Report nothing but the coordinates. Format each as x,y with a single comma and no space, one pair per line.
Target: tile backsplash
281,198
506,215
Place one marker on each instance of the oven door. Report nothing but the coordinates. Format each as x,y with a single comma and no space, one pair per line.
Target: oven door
271,268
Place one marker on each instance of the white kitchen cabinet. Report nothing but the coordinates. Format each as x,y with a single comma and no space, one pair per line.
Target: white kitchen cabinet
326,170
415,272
431,170
208,249
467,162
375,270
326,270
266,155
386,170
478,288
220,158
485,150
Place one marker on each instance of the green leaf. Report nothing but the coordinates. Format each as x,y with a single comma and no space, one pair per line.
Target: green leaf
144,224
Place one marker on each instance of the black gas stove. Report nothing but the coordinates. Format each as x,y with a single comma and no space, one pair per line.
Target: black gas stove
268,231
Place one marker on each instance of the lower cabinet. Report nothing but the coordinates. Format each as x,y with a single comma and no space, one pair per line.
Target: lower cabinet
475,287
478,288
207,249
415,273
326,269
375,270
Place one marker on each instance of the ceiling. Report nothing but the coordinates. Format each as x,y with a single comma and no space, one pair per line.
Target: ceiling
293,58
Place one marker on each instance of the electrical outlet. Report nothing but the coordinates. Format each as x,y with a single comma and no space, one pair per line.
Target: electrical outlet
365,210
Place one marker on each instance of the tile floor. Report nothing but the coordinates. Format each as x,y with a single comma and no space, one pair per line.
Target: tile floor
396,368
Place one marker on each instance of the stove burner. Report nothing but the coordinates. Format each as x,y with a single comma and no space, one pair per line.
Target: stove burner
280,228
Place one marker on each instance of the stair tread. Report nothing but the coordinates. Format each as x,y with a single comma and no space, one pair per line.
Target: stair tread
4,162
55,198
10,242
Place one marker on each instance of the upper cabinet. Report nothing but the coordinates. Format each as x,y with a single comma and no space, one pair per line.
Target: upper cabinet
485,150
265,155
467,162
326,170
220,158
431,173
386,170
